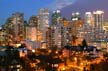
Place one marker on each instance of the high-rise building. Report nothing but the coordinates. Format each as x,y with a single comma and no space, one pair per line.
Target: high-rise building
89,19
3,36
32,28
76,22
67,32
43,21
56,17
98,25
50,37
57,34
33,21
33,32
77,32
43,18
88,27
18,23
98,19
105,26
59,25
54,36
75,16
94,27
14,27
61,33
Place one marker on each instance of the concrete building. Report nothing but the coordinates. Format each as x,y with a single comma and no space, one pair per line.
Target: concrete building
32,28
94,24
61,29
33,32
54,36
18,23
98,19
89,19
14,27
56,17
3,36
43,21
75,16
33,21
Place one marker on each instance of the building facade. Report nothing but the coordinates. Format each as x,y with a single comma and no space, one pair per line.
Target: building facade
43,21
18,23
3,36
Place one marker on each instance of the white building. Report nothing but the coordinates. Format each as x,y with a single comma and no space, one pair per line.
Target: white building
98,19
89,19
43,21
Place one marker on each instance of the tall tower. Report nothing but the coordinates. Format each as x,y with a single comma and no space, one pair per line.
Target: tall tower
44,18
32,28
3,36
18,22
56,26
89,19
43,25
75,16
98,19
33,21
94,21
56,17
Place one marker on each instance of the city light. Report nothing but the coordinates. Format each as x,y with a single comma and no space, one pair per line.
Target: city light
63,68
33,51
52,40
98,12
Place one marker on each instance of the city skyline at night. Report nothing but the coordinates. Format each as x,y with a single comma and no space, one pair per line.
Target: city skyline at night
53,35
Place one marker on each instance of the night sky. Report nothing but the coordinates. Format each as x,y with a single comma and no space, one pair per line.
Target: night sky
83,6
31,7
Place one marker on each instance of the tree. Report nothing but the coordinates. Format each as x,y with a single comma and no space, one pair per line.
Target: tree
84,44
92,68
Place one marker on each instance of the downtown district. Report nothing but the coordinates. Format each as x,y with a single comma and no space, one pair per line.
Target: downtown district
50,42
